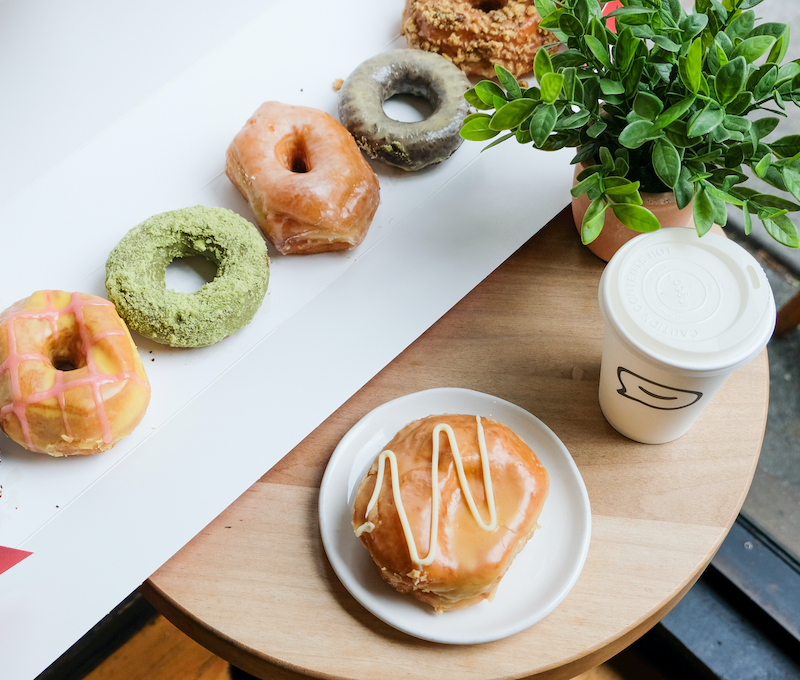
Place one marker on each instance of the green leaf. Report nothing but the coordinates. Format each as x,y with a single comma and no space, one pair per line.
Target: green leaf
621,166
606,159
741,25
740,105
570,25
705,121
636,217
512,114
596,129
551,84
676,133
647,105
488,90
545,7
533,93
763,165
737,123
691,25
791,178
477,129
599,50
674,112
782,229
543,122
568,58
585,185
787,146
573,121
666,44
593,221
508,81
608,86
684,190
753,48
719,54
666,162
768,201
723,40
788,71
542,65
623,191
690,65
637,133
625,49
748,221
474,100
570,78
762,81
703,211
634,76
585,153
629,11
723,195
523,135
731,79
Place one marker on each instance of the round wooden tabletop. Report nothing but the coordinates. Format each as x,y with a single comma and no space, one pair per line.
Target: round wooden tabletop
256,588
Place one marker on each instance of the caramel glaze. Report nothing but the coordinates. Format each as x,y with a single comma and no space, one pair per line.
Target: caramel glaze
305,179
469,560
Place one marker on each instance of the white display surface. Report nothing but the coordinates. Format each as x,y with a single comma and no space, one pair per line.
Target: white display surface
116,111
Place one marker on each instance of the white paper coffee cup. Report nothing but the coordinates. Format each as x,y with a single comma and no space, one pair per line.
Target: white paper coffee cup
681,312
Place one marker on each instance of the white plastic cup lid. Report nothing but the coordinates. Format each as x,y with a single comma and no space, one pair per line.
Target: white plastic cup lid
695,303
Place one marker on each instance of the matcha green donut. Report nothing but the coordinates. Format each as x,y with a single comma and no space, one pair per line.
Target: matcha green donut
135,276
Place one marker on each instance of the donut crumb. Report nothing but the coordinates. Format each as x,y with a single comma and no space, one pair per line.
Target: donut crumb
337,84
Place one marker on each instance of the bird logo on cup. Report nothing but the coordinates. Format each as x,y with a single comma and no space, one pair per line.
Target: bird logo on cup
653,394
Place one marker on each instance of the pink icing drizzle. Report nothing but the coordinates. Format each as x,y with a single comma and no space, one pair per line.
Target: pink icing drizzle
94,379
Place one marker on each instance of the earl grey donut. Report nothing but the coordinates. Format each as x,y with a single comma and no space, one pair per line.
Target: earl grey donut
410,146
135,276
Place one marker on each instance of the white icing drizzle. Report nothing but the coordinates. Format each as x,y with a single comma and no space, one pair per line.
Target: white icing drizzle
368,526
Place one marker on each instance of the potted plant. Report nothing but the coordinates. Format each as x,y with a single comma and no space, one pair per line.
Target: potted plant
667,102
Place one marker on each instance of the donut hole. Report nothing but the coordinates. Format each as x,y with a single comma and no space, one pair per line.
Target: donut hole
489,5
189,273
406,107
65,350
293,153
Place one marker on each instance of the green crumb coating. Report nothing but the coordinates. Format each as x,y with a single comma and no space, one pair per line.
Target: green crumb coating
135,276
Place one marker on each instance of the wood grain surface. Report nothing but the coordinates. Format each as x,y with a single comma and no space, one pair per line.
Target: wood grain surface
256,588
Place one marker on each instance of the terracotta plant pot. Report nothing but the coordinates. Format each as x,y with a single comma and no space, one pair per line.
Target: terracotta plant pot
615,234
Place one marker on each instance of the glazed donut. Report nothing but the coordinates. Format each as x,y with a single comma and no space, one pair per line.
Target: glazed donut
476,35
135,276
450,549
71,380
307,184
409,146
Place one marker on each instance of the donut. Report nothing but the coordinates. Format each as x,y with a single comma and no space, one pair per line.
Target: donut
477,35
71,380
450,549
410,146
309,187
135,276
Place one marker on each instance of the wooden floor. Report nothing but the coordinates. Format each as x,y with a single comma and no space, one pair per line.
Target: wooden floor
159,651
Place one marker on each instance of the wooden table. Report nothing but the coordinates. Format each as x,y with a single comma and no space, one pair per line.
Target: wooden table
256,588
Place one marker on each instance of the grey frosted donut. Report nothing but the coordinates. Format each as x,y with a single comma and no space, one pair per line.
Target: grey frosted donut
409,146
135,276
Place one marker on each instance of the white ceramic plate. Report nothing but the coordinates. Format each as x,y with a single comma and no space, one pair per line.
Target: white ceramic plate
541,575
